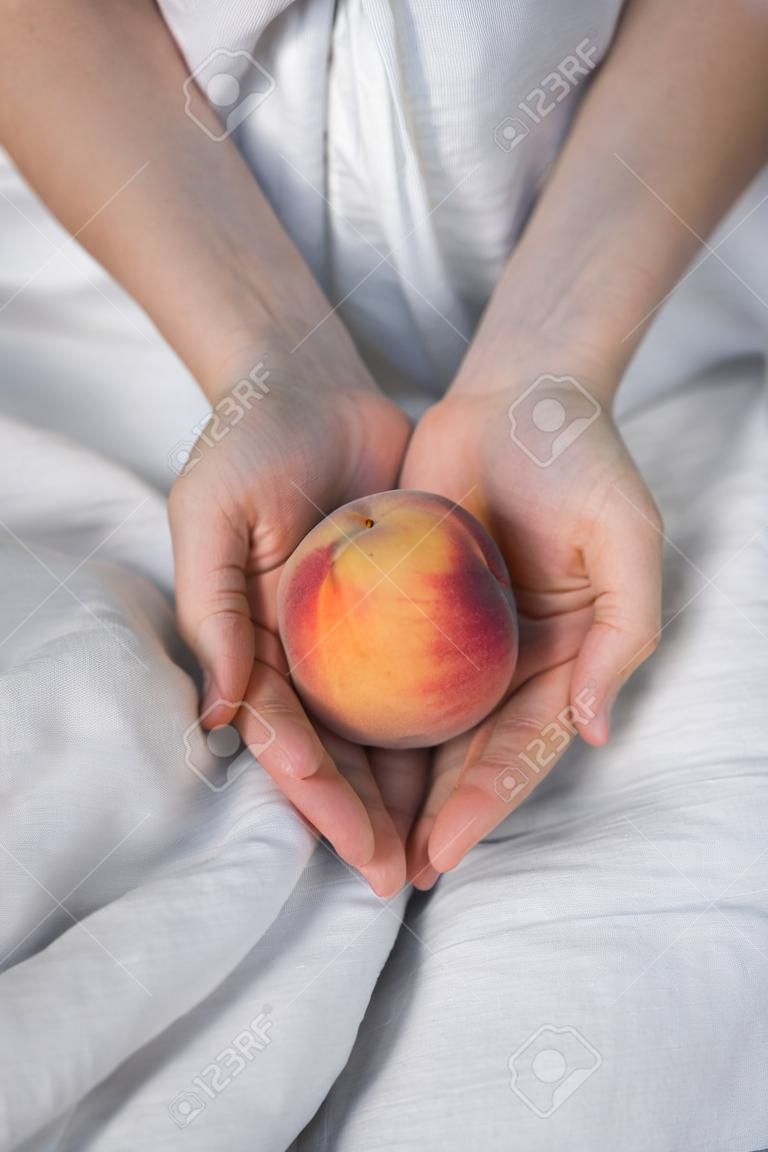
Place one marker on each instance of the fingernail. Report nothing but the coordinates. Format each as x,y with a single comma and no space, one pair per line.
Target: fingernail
295,752
380,880
426,878
361,858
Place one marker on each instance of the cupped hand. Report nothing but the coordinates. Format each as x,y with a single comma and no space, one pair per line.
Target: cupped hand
277,456
582,540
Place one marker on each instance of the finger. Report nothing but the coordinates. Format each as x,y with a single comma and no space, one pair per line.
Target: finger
385,871
447,763
211,600
624,565
280,736
549,640
524,741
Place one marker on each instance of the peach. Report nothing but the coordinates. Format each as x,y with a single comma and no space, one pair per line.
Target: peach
398,620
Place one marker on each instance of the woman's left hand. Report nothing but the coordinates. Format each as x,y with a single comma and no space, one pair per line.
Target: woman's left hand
582,540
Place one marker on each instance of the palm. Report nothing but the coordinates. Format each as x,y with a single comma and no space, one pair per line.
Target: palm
547,522
236,518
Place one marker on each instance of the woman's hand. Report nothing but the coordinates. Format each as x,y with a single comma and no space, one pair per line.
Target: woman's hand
581,537
268,467
617,221
176,216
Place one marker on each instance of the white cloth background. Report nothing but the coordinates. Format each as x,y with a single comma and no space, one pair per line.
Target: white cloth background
147,920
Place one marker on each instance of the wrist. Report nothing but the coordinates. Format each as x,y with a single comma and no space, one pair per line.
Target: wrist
513,359
576,299
299,348
322,364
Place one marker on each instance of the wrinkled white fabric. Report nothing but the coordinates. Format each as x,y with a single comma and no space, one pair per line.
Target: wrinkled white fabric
396,115
133,894
149,922
589,910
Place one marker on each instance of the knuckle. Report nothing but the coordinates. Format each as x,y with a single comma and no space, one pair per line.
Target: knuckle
515,727
274,708
510,737
217,592
194,625
495,760
223,602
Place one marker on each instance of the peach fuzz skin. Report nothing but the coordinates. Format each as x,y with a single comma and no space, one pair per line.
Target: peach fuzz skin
398,620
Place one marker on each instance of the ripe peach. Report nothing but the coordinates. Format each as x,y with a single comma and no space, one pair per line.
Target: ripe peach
398,620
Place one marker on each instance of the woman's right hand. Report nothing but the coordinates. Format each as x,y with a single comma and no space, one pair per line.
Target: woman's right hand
147,183
316,434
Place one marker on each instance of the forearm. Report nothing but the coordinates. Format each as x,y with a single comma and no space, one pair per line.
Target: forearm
92,110
673,128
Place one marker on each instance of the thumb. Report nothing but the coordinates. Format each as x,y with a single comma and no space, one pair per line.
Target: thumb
211,600
624,565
